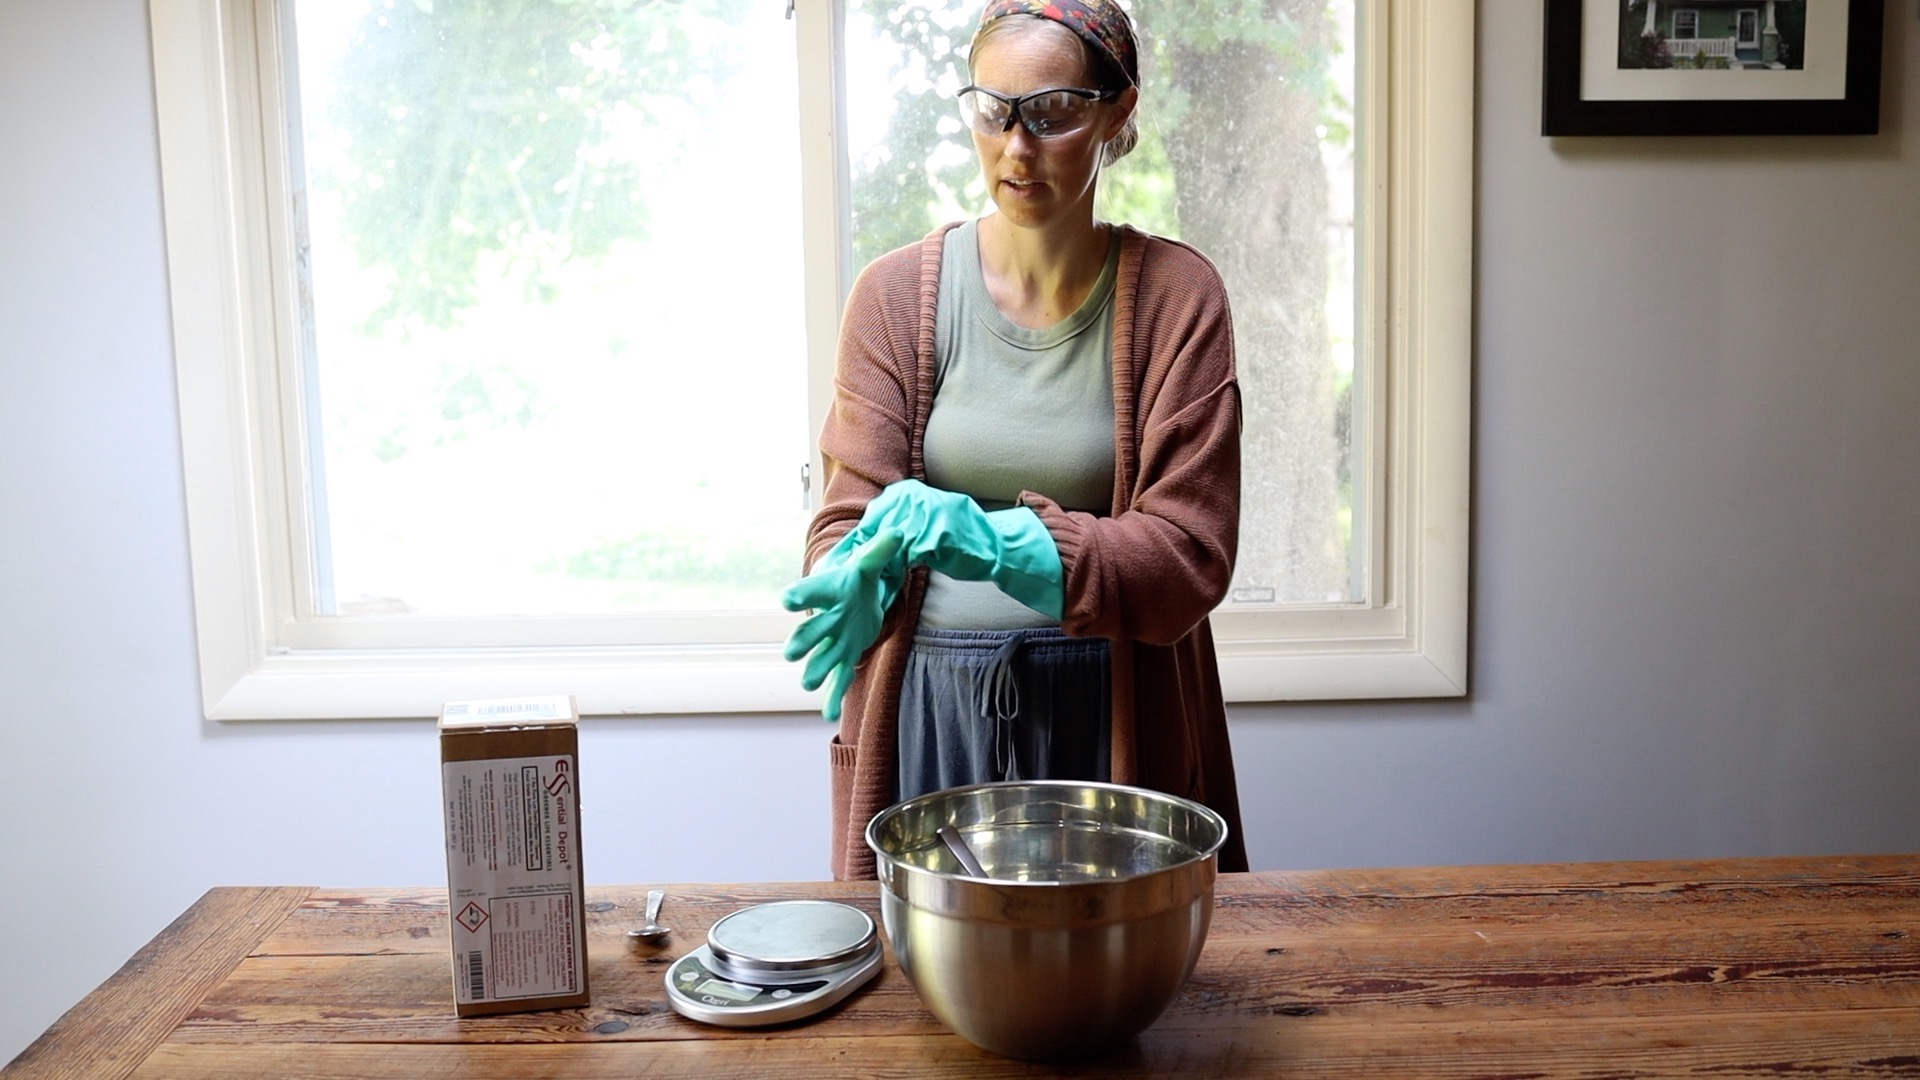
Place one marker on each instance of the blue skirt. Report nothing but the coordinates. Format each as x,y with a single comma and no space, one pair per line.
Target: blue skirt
986,705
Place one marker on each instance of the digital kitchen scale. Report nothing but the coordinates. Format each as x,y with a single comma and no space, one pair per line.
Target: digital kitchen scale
772,963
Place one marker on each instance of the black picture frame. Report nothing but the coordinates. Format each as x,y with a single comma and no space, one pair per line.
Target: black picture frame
1565,112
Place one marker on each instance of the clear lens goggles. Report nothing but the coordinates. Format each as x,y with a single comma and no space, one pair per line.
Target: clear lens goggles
1059,110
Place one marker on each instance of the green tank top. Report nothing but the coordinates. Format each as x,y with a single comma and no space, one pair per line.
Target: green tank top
1015,409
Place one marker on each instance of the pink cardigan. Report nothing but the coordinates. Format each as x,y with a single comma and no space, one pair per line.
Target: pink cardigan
1145,577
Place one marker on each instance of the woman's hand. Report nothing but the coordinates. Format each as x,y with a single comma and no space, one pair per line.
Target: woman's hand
849,592
949,532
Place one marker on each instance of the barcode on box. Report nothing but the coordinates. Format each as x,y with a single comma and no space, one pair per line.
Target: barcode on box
512,710
476,976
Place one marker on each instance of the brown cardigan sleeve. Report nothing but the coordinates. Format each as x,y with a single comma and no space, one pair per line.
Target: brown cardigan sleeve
1155,568
881,374
867,439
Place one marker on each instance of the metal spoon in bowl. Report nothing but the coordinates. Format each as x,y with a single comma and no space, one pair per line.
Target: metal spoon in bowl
653,929
958,845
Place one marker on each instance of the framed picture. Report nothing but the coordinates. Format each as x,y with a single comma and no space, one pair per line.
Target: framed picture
1712,67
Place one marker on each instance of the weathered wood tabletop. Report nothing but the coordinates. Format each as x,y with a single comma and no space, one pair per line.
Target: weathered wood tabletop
1774,967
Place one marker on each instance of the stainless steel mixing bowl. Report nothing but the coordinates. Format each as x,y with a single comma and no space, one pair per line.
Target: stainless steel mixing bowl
1095,908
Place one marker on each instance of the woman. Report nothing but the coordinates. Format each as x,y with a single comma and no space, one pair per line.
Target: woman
1032,469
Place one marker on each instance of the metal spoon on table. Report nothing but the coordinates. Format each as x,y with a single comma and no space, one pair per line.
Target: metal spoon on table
653,929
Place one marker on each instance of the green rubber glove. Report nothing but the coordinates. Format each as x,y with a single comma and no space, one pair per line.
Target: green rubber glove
949,532
849,592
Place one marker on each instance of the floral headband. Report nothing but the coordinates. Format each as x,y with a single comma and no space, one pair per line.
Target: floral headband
1100,23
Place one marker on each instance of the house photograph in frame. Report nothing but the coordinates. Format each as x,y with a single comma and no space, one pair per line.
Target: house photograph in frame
1712,67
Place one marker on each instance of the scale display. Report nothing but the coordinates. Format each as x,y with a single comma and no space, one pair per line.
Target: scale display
734,992
774,963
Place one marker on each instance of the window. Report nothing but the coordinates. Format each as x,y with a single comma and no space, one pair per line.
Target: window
554,348
483,458
1686,24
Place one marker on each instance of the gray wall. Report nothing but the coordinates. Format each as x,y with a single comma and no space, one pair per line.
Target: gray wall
1696,562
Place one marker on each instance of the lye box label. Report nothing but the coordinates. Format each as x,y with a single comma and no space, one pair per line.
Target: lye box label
510,780
510,841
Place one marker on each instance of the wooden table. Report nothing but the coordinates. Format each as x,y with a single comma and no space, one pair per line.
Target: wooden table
1779,967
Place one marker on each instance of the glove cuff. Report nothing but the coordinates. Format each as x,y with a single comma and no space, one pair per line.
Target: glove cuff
1029,566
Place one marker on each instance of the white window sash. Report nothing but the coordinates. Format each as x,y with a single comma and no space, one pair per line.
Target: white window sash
263,657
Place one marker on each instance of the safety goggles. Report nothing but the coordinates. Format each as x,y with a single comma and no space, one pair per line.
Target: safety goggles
1058,110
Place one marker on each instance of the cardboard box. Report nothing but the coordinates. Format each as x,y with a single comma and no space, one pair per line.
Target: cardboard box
510,784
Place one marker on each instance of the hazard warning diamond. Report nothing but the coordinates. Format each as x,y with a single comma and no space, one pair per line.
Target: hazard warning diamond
471,916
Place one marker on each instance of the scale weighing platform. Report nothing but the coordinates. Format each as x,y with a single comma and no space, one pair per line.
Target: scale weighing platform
773,963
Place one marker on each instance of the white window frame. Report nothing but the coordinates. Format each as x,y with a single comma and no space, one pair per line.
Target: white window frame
215,72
